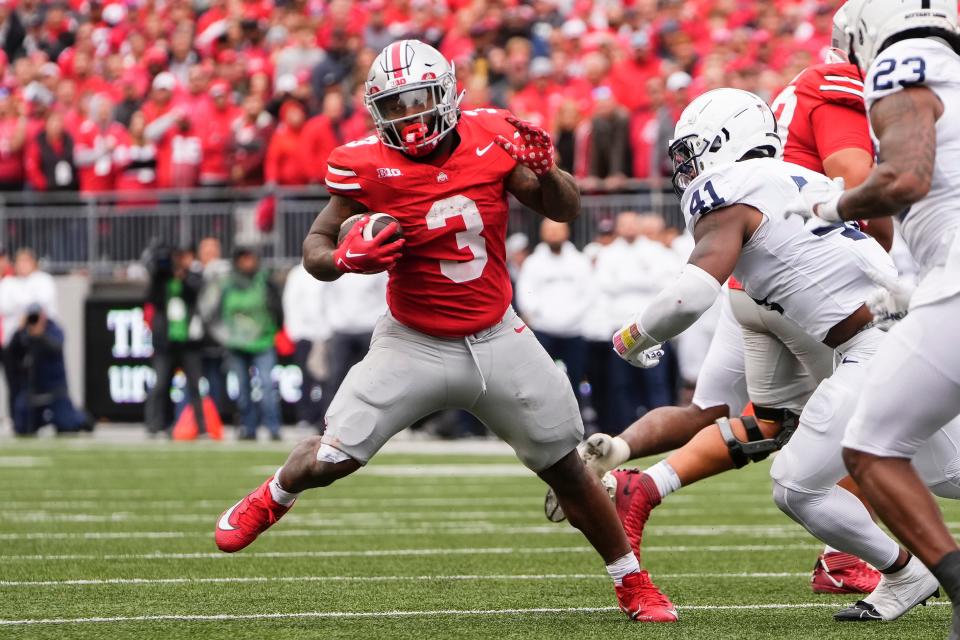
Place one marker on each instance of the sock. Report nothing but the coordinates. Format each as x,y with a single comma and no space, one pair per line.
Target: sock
279,493
828,549
619,451
623,566
947,572
664,477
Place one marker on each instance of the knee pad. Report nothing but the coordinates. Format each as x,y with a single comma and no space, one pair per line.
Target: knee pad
757,447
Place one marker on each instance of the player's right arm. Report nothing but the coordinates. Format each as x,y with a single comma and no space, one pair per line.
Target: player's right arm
905,124
321,241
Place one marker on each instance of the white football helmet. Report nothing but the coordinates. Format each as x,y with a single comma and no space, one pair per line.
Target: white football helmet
721,127
411,93
871,23
839,38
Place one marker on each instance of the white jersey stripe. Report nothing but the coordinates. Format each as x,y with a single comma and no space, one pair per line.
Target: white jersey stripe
833,87
343,186
340,172
843,79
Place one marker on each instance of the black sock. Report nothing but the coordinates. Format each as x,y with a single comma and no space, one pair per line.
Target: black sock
947,572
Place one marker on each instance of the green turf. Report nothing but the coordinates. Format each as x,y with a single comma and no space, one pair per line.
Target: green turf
380,543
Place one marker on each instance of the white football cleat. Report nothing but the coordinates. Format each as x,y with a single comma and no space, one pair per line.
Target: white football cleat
896,594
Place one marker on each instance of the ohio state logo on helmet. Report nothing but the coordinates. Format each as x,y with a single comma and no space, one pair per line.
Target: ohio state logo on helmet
411,94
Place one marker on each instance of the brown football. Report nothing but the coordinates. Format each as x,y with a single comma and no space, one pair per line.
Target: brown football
378,222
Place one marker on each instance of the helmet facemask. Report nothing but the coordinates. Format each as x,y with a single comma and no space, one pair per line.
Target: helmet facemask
415,118
685,156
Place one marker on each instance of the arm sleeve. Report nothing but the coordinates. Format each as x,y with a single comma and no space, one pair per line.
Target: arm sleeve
679,305
837,127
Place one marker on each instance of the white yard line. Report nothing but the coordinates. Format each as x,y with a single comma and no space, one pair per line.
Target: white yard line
397,614
339,529
260,579
397,552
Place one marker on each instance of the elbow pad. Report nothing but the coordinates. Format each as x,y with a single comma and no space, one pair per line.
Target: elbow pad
680,304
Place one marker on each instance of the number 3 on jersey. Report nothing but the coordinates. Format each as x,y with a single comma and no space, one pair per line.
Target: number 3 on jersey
469,238
699,206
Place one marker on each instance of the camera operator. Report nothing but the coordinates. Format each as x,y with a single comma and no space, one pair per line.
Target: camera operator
36,353
175,283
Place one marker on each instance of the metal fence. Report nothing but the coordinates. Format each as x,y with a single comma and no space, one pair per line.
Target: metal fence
104,233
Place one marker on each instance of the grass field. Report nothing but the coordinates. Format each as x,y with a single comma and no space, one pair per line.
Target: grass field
109,541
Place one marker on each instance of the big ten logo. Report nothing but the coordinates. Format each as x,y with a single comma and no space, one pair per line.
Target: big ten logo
131,335
288,379
389,173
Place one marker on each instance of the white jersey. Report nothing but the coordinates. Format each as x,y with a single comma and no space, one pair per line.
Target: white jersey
929,226
814,276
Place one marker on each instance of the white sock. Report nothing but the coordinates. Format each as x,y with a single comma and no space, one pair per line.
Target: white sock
623,566
665,477
619,451
279,494
828,549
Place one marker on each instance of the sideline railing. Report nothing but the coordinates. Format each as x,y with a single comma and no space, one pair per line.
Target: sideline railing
105,232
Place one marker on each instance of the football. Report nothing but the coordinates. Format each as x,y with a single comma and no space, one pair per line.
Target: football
378,222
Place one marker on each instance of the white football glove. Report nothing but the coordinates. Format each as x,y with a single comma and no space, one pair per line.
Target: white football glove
637,348
890,301
817,200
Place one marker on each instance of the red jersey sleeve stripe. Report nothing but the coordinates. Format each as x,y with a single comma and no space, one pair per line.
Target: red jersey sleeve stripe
342,186
833,87
344,173
852,81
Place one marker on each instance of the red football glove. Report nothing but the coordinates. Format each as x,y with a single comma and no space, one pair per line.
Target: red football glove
533,149
356,255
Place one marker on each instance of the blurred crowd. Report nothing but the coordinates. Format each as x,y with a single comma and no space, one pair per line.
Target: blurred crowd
140,94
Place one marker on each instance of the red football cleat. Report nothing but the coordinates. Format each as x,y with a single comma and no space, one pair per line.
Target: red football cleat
636,497
837,572
640,599
243,522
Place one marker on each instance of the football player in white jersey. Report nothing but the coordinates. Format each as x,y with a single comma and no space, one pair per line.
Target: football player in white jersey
734,196
910,53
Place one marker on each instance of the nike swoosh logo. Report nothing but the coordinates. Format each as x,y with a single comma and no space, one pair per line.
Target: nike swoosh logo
480,151
849,361
837,583
224,522
520,330
351,254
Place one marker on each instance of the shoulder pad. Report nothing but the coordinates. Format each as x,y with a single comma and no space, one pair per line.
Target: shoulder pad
831,84
345,167
909,63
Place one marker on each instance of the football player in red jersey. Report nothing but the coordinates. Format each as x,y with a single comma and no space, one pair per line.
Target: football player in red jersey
450,338
822,120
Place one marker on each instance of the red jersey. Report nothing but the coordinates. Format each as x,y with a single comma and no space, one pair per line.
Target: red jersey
95,146
821,112
451,280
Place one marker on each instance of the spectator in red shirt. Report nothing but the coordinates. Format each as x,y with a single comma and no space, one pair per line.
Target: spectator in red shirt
196,100
179,154
88,82
13,136
49,158
540,99
136,158
287,163
629,75
322,134
251,136
97,138
216,135
160,102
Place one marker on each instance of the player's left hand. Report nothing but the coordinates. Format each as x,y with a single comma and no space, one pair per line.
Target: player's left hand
533,148
890,301
817,200
636,347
